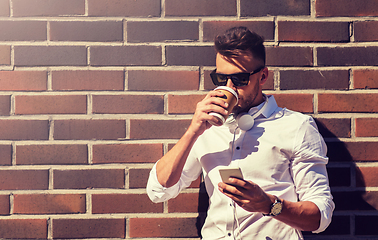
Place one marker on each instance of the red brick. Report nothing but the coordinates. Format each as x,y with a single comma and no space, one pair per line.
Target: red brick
124,203
89,178
24,179
89,129
138,178
5,155
366,31
297,102
5,102
365,78
88,80
5,52
190,55
189,202
366,127
124,8
4,8
163,227
24,129
128,104
334,127
26,8
163,80
50,104
208,83
357,200
98,31
258,8
51,154
213,28
283,56
352,151
89,228
348,56
4,204
318,79
23,31
365,225
125,55
345,8
178,104
23,80
367,177
23,228
301,31
200,8
50,56
49,203
127,153
164,129
160,31
341,102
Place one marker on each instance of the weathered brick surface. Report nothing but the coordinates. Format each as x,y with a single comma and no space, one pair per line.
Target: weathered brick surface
49,203
124,203
345,8
127,153
290,80
366,31
23,31
365,79
89,228
87,80
298,31
125,55
163,80
94,92
5,55
23,228
23,80
200,8
24,179
54,154
89,129
159,31
163,227
4,205
50,56
49,104
99,31
142,104
91,178
50,8
256,8
128,8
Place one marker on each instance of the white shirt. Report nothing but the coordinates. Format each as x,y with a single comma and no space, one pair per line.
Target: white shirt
283,153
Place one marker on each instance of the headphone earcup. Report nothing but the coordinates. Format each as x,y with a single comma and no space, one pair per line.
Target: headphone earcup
245,122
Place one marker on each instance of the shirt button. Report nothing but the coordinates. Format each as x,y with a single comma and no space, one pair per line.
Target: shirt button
229,234
237,148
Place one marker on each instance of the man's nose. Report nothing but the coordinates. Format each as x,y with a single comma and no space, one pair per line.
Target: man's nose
230,84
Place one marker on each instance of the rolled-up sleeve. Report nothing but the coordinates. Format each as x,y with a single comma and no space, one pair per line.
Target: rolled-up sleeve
310,173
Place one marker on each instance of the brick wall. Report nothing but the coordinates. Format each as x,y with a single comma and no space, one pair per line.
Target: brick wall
93,92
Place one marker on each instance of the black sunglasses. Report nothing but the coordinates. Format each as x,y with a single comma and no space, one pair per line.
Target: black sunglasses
238,79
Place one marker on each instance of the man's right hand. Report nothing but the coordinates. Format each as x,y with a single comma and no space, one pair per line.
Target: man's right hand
211,103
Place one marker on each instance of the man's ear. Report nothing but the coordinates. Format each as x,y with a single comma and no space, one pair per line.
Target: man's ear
264,76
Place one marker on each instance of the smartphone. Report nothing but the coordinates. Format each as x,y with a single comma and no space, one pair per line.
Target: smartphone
226,173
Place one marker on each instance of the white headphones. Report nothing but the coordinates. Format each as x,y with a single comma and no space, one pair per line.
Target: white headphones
246,121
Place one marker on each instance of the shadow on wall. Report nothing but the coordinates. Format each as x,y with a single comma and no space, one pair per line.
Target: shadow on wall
344,177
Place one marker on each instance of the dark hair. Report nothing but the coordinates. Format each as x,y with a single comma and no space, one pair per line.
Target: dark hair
239,41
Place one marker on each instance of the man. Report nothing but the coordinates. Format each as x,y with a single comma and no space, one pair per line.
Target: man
284,189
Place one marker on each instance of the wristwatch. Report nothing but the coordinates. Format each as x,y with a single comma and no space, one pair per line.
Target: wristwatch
275,208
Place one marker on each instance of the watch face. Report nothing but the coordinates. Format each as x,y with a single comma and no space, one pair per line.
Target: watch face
276,209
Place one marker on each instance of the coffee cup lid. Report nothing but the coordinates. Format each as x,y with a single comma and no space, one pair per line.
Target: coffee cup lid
230,90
